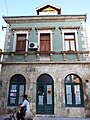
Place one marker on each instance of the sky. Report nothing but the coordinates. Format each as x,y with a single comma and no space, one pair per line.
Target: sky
28,8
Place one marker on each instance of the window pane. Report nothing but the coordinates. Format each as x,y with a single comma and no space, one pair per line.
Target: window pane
72,45
69,94
21,42
69,99
77,94
69,36
13,92
45,42
21,92
67,80
76,80
66,45
21,38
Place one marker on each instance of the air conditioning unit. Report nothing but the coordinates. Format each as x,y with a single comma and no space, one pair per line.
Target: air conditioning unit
33,46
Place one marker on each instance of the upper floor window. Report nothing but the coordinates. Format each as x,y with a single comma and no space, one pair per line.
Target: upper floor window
70,39
73,91
70,42
20,42
45,42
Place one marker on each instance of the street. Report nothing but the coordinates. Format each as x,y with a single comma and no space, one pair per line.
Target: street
51,118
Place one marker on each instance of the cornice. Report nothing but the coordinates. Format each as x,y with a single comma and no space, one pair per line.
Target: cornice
43,18
51,62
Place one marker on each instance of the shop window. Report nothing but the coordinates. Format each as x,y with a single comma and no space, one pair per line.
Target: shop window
69,42
73,91
20,42
16,90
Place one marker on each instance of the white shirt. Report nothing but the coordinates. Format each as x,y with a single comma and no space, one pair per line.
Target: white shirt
26,103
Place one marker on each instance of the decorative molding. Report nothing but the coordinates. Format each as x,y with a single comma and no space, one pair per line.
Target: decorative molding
26,57
21,28
45,28
69,27
78,56
64,56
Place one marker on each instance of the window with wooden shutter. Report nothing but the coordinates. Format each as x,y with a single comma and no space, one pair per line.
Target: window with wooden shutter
45,42
21,43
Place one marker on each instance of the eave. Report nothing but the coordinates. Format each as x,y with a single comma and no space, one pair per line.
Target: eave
44,18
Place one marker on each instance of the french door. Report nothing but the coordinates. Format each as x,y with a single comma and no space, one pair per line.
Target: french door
45,98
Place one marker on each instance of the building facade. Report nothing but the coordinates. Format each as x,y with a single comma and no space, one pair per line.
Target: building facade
46,56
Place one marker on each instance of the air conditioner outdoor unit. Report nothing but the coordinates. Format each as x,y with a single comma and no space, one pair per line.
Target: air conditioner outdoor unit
33,45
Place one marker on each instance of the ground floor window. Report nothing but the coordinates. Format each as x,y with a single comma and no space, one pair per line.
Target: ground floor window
16,90
73,91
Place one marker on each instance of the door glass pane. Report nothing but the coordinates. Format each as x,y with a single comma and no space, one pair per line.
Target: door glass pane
49,94
21,92
40,95
77,94
13,92
40,102
68,94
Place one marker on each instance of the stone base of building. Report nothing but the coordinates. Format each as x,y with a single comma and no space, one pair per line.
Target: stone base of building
31,72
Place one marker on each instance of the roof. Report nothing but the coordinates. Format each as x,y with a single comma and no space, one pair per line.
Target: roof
40,8
49,5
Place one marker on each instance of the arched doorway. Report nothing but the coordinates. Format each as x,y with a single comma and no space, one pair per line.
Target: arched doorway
45,95
16,89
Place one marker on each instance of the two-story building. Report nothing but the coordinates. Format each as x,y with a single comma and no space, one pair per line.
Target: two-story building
46,56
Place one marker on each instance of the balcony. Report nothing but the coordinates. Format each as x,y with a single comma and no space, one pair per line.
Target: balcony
37,56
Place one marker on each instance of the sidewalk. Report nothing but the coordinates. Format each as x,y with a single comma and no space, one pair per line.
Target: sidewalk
51,118
59,118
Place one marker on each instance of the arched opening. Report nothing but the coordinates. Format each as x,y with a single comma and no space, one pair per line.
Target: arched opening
73,91
45,95
16,89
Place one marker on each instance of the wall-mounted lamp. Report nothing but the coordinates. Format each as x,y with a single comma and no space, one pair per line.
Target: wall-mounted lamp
3,27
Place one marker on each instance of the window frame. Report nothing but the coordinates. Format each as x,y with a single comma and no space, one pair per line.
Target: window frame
69,40
15,39
45,31
15,80
21,43
45,42
70,31
72,84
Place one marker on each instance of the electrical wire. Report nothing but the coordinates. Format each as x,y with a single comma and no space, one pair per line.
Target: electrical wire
6,7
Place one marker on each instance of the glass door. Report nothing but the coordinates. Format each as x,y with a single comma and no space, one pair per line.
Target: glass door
44,99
